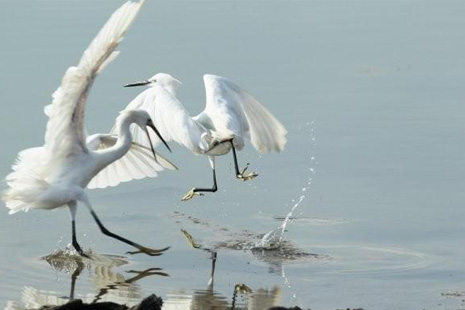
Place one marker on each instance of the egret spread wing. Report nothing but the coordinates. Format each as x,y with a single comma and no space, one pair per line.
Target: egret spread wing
171,119
65,135
137,163
233,111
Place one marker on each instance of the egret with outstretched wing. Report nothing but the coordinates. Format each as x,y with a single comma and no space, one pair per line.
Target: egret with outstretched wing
56,174
231,117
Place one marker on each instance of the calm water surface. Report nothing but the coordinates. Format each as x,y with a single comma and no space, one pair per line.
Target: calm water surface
372,90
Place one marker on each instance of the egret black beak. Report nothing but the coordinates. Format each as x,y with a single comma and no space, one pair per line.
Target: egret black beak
151,126
151,146
139,83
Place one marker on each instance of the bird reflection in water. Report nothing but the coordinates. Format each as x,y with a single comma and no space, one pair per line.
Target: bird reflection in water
276,258
209,299
112,286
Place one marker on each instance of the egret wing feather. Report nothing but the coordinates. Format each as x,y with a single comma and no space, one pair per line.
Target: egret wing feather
234,112
34,169
65,135
171,119
137,163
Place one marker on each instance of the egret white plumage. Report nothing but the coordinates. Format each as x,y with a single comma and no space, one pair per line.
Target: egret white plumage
230,117
56,174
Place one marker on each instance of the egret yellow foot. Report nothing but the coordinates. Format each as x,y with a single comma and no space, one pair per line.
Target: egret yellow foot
246,176
190,194
242,288
149,251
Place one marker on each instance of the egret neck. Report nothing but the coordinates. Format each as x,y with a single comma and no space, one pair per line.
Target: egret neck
121,146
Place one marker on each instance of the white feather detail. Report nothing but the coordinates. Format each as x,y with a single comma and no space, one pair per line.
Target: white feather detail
233,111
32,182
137,163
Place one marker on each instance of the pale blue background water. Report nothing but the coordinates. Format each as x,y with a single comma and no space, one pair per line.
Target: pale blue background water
382,82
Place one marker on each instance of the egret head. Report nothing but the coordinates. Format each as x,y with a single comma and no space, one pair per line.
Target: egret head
142,119
163,79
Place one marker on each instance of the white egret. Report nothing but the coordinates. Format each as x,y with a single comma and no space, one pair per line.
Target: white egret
56,174
230,117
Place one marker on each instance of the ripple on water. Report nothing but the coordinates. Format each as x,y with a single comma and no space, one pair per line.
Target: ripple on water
330,259
316,259
368,260
259,299
312,220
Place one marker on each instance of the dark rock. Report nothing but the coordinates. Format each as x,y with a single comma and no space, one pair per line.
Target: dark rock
150,303
77,304
153,302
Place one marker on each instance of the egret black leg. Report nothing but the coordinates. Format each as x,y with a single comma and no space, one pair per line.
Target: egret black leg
74,241
72,208
197,191
236,165
142,249
213,189
241,175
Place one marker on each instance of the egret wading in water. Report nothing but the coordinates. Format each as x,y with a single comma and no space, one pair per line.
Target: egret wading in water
230,117
56,174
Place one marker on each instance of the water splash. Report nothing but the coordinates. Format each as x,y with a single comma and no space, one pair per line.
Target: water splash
273,239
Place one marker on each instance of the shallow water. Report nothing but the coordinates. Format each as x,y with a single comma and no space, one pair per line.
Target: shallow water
381,225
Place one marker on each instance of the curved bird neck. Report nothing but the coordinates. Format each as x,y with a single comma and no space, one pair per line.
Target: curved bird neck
123,143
